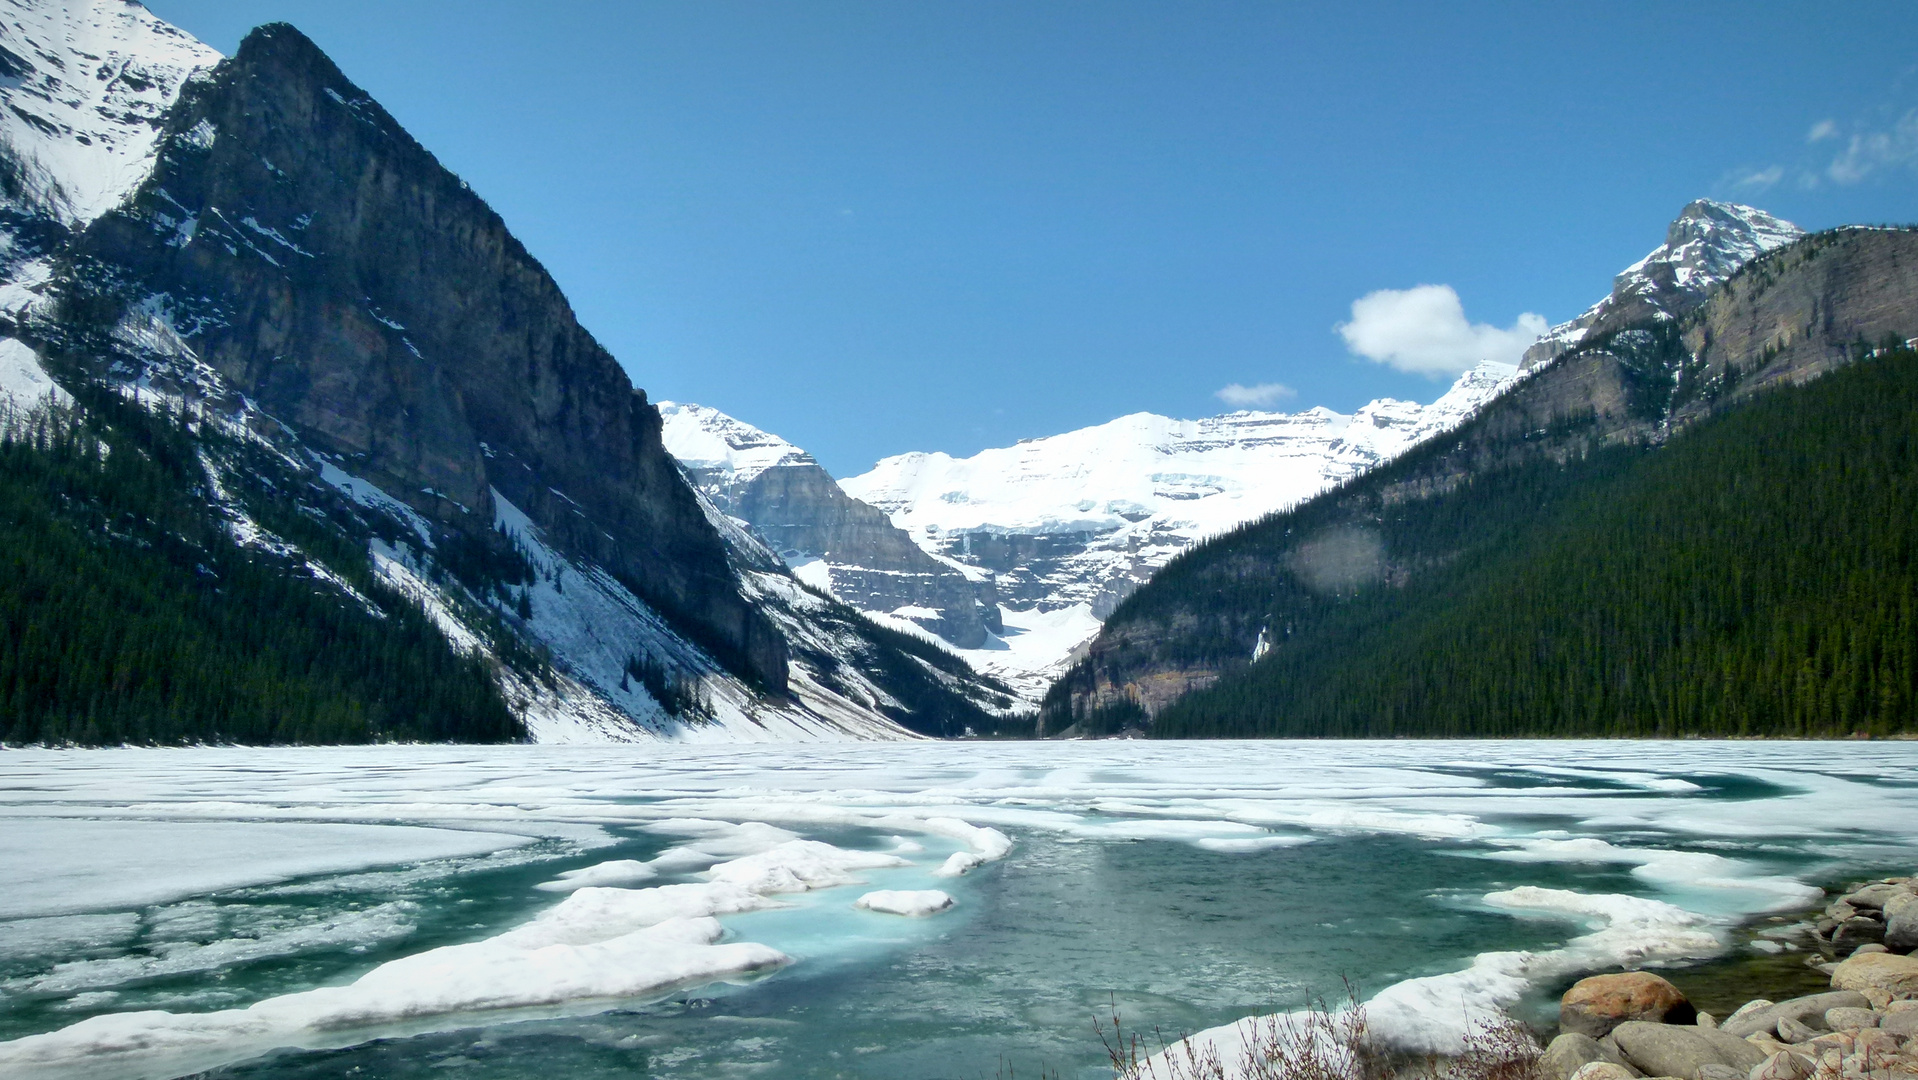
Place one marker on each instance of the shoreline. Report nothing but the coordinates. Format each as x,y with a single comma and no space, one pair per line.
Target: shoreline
1833,997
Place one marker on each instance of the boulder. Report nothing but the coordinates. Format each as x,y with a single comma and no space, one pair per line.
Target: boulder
1874,896
1734,1051
1719,1072
1747,1009
1572,1051
1603,1070
1894,974
1903,1025
1670,1050
1596,1005
1858,930
1793,1030
1743,1023
1850,1019
1901,923
1784,1065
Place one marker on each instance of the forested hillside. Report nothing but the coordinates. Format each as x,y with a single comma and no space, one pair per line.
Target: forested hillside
128,611
1754,575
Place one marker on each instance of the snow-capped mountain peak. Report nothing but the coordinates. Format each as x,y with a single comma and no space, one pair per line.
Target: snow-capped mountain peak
85,84
705,438
1704,246
1707,243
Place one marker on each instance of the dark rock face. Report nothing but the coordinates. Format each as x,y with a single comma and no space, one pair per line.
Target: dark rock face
797,508
875,566
325,264
1785,318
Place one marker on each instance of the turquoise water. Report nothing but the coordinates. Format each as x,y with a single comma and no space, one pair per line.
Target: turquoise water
1397,849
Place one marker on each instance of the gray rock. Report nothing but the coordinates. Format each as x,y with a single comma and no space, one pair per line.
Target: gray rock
1669,1050
1567,1053
1849,1018
1784,1065
1901,923
1746,1010
1796,1031
1719,1072
1734,1051
1873,896
1743,1024
1904,1024
1868,948
1858,930
1604,1070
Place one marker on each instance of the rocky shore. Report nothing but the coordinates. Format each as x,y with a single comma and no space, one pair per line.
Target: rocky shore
1636,1024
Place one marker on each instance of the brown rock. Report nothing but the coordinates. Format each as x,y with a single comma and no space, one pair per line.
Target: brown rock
1596,1005
1896,975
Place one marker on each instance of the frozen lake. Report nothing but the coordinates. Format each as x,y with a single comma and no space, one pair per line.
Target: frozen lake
667,911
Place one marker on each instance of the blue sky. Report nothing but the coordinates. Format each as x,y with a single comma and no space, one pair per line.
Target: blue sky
892,226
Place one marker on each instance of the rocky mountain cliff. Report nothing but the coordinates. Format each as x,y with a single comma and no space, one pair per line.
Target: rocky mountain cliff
297,268
1704,246
831,540
1782,318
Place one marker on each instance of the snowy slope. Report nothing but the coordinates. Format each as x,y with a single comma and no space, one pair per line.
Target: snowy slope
1704,246
85,84
1072,523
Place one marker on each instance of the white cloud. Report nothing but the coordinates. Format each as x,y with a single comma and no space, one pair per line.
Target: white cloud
1874,150
1822,130
1423,330
1252,397
1756,180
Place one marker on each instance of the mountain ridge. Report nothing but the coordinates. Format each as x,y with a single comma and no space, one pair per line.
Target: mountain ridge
299,273
1782,319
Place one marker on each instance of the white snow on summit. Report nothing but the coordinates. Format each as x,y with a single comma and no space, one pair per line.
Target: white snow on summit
1072,523
85,85
1704,246
702,437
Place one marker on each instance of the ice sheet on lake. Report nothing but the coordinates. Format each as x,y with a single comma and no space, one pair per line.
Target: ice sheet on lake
91,865
111,830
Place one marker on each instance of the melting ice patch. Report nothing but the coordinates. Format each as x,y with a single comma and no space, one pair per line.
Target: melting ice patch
916,903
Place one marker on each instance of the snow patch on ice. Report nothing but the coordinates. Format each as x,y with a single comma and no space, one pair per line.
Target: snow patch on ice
915,903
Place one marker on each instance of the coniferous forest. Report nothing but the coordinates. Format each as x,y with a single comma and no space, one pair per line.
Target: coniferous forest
1753,576
129,613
